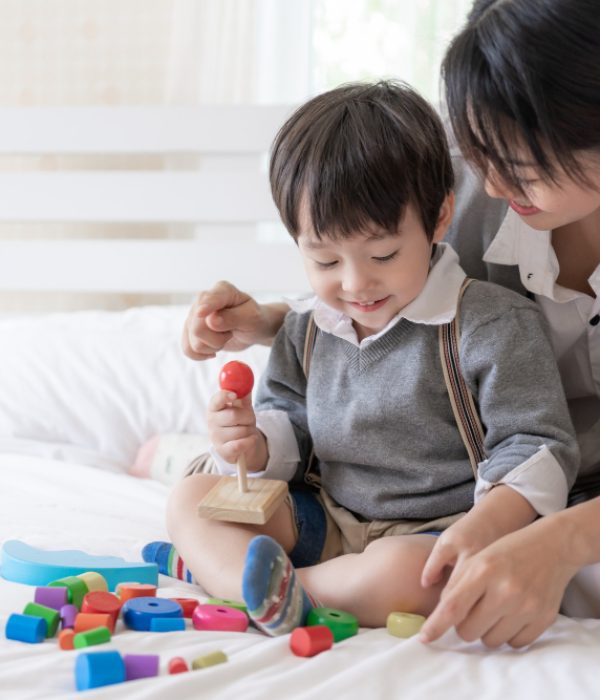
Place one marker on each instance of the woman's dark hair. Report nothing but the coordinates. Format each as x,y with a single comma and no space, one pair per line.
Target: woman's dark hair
526,74
356,156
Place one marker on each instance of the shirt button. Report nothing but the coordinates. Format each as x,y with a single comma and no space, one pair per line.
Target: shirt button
595,320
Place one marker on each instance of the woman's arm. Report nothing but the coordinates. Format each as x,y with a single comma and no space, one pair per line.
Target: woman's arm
224,318
511,590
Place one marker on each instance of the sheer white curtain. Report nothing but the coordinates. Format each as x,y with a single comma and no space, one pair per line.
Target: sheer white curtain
235,51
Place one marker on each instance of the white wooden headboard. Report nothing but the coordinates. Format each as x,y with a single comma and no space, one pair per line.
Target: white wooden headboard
198,174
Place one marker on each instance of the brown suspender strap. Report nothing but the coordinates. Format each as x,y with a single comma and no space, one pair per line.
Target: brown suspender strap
311,477
463,405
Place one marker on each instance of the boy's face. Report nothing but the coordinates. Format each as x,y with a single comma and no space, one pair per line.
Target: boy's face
373,275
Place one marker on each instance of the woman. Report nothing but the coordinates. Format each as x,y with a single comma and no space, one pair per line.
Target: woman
523,90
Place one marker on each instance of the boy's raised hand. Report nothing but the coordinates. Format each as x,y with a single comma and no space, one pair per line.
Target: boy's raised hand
233,432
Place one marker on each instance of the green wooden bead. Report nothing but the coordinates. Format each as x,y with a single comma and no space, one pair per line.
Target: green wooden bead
228,603
77,588
217,657
341,624
89,638
51,616
404,625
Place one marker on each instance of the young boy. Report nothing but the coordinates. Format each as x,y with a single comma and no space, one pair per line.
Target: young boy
362,178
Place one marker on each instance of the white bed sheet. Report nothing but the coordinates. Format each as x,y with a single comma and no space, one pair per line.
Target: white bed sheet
58,505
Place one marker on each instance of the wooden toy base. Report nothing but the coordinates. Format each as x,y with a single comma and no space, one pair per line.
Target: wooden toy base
256,505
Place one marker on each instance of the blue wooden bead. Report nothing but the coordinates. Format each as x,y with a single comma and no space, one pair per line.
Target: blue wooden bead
26,628
96,669
138,613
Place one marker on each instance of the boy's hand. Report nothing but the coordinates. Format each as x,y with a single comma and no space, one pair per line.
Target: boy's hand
233,432
224,318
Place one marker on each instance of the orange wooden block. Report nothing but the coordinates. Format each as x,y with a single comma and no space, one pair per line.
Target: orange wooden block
225,501
126,591
103,603
65,639
188,605
89,621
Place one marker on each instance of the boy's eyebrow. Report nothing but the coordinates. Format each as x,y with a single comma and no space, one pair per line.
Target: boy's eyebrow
315,244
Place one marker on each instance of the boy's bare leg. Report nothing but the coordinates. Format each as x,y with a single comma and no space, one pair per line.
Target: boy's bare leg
213,550
383,578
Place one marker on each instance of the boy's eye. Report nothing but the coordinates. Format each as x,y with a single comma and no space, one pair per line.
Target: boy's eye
385,258
325,265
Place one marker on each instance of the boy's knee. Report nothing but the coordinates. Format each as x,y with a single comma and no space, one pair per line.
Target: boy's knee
184,498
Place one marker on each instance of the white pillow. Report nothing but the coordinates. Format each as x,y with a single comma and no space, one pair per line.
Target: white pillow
93,386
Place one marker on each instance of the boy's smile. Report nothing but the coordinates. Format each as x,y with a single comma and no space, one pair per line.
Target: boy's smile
372,275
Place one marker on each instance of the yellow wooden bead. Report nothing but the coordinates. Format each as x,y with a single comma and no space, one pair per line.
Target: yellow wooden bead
94,581
404,625
217,657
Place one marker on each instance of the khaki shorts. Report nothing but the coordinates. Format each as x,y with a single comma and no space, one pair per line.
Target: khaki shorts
345,534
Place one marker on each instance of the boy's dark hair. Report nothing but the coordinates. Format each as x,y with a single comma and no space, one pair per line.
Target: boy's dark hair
526,73
356,156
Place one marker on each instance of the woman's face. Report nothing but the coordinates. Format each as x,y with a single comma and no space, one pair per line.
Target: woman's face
548,205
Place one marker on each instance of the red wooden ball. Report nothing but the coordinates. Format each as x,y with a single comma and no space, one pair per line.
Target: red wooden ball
237,377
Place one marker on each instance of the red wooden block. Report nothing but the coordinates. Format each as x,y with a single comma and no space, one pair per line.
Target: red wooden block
188,605
178,665
309,641
102,602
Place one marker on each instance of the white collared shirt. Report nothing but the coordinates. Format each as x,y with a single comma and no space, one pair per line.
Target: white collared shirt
573,318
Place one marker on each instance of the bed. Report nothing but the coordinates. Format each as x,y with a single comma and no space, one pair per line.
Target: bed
83,392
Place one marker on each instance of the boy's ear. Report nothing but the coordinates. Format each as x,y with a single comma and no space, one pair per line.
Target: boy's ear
444,218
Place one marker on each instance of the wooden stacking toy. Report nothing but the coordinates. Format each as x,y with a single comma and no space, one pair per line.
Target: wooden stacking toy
250,500
404,625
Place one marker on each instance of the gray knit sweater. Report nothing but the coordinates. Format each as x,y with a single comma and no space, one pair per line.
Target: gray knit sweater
380,419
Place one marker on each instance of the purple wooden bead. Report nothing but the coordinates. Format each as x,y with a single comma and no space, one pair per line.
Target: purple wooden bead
219,617
140,666
68,613
51,596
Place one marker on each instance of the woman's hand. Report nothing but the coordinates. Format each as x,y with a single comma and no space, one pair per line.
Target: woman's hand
509,592
224,318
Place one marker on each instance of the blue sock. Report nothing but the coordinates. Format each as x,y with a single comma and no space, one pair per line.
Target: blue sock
169,562
276,600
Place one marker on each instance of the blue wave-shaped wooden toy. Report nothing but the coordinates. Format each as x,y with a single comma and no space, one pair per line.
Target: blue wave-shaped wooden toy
37,567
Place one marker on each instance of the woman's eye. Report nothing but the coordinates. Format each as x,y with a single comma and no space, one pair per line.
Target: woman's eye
325,265
385,258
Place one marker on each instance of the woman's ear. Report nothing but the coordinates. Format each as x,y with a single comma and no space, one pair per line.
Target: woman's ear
444,218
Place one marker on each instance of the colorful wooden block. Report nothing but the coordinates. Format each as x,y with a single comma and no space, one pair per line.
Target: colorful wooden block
219,617
216,657
188,605
310,641
102,602
65,639
88,621
68,613
51,596
404,625
229,603
128,590
97,669
138,612
26,628
94,581
76,588
89,638
342,624
167,624
25,564
51,616
177,665
140,666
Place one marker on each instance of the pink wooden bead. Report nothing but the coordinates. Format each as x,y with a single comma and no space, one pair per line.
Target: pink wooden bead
219,617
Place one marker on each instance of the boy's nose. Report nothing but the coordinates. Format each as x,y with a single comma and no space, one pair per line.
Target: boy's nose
356,282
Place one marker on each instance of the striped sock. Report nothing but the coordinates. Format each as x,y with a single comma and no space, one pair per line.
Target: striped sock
276,600
169,562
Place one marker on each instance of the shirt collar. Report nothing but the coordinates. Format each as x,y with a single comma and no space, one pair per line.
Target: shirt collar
516,243
435,305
